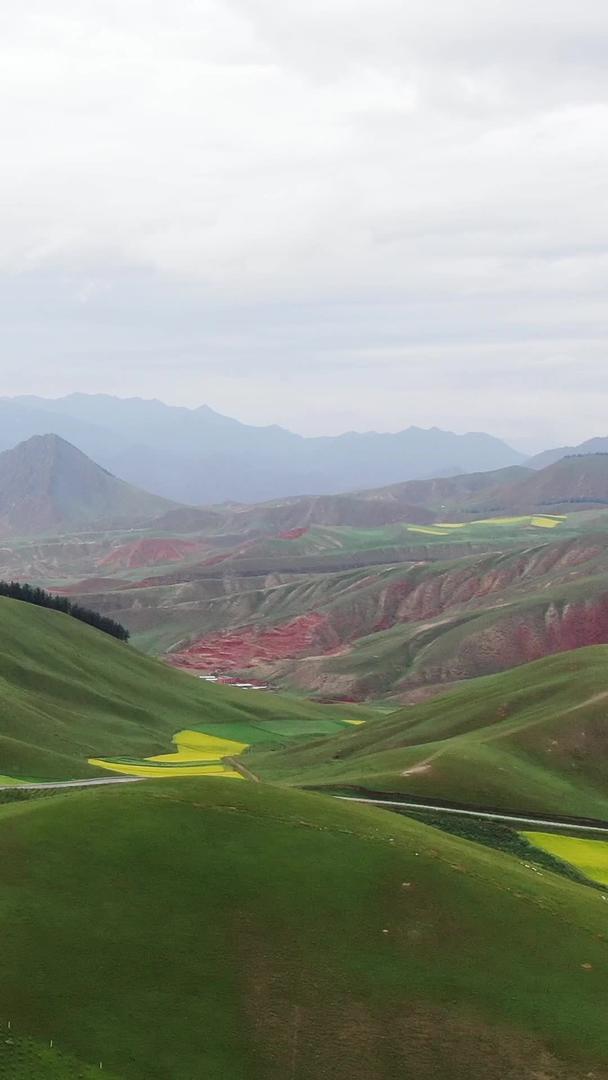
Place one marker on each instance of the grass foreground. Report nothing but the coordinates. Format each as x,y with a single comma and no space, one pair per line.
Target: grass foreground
242,932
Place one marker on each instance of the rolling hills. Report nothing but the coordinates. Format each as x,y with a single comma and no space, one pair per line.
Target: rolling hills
48,486
399,628
575,482
194,926
69,693
532,739
306,939
395,592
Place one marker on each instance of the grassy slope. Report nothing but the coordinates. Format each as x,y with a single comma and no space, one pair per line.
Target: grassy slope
534,738
306,939
22,1058
68,692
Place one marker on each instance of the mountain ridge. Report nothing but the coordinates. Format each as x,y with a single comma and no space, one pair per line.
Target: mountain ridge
200,456
596,445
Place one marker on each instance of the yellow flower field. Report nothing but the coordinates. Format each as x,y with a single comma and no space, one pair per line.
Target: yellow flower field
428,530
543,522
196,745
589,856
539,521
197,754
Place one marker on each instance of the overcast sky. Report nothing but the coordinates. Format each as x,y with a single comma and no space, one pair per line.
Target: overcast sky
329,214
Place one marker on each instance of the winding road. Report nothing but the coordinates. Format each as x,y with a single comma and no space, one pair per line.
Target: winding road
486,815
96,781
389,804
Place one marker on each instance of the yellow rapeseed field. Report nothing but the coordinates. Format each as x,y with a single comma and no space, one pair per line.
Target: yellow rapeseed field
197,754
197,746
543,522
589,856
443,528
429,530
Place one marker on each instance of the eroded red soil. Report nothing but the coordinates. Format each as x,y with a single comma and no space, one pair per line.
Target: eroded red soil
364,609
248,646
293,534
520,638
150,552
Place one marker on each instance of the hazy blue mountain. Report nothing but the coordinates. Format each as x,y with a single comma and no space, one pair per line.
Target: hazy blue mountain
598,445
49,486
199,456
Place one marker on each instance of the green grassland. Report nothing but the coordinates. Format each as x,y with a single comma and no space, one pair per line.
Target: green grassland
206,929
529,739
22,1058
68,692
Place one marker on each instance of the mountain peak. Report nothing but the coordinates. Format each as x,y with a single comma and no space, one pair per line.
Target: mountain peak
47,485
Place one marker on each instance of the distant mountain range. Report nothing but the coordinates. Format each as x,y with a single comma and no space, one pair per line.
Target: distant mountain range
198,456
48,486
575,483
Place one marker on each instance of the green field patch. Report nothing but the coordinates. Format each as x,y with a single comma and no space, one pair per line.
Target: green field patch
250,733
292,729
266,731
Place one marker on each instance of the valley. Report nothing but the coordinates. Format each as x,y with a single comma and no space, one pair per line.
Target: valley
316,862
393,622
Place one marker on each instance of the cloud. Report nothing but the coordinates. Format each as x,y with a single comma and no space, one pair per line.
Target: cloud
260,188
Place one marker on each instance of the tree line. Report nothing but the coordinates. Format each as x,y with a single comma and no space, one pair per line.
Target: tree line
30,594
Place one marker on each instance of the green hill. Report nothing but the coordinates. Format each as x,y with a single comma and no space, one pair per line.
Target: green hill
535,738
206,929
69,693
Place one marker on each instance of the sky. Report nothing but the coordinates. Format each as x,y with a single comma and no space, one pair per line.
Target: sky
328,214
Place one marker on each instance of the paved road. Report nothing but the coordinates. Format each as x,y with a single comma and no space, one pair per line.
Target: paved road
487,815
97,781
392,804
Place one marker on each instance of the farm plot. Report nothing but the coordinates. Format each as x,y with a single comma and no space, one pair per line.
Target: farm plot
196,754
202,751
589,856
